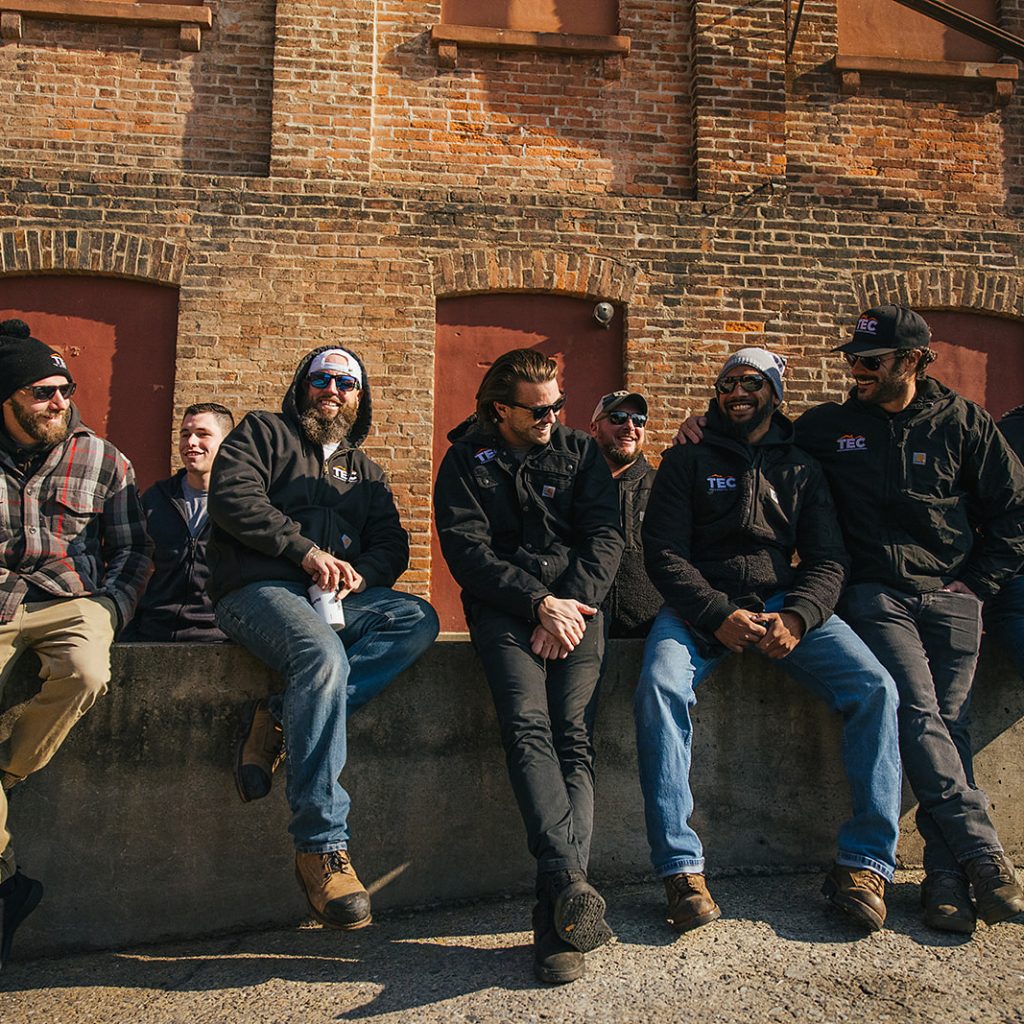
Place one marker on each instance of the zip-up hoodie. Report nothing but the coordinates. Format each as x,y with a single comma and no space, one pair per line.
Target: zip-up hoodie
512,533
725,518
273,498
926,496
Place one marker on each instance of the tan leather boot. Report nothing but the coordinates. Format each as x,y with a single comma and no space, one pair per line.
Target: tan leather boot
260,751
860,892
689,903
333,890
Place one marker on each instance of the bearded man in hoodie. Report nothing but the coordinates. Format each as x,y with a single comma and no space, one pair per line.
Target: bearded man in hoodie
294,502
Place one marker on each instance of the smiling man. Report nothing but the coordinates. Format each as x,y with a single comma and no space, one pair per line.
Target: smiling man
74,556
176,605
295,501
723,523
528,521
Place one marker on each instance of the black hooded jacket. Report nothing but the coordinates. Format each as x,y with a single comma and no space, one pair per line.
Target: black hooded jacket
513,533
724,519
272,498
1012,426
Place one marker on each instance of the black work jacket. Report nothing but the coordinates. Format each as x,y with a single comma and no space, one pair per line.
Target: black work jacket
925,496
725,518
633,600
513,533
175,605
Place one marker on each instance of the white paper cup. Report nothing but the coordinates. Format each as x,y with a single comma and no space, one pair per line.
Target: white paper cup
328,605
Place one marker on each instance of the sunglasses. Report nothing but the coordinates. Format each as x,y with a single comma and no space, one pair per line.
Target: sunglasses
45,392
617,417
868,362
751,382
342,381
538,412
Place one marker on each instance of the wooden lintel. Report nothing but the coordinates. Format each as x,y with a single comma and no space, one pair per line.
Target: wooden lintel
101,10
512,39
1003,77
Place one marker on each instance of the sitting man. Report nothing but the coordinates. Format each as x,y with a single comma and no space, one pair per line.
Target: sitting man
723,522
74,556
294,501
176,605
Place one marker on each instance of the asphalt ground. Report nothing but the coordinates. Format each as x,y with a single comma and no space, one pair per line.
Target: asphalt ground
779,953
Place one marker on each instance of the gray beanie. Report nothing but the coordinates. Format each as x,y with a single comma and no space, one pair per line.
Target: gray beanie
771,365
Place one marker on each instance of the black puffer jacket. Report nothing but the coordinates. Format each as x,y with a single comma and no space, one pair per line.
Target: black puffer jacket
633,601
723,522
514,533
175,605
272,498
927,496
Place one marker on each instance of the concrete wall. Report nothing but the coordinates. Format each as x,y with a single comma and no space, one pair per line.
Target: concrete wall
138,834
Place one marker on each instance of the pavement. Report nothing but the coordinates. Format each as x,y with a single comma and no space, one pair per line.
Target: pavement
780,953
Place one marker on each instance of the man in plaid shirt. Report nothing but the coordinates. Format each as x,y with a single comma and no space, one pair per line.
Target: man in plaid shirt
74,557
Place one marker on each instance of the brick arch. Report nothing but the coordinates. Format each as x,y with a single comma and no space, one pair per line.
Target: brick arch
537,270
76,251
997,293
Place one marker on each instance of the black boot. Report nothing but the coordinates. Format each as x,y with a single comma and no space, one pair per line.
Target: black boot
20,895
554,961
577,910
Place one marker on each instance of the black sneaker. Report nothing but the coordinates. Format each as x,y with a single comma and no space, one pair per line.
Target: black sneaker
20,895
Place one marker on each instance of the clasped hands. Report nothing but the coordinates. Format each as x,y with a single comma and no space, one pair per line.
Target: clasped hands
563,621
773,634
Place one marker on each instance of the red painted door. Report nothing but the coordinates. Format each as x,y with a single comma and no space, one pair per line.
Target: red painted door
471,333
118,338
981,357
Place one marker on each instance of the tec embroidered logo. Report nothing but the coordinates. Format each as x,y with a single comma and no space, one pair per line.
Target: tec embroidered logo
867,325
58,361
345,475
485,455
851,443
717,482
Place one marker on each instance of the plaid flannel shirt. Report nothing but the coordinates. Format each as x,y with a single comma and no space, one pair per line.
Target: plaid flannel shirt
76,530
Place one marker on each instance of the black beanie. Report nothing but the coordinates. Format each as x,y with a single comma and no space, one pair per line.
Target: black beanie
24,359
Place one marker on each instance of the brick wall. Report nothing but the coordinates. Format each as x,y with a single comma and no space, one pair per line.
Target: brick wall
724,198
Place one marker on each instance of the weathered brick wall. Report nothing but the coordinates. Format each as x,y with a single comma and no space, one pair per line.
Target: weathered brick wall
720,202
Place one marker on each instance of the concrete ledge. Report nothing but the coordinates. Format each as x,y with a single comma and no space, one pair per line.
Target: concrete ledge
139,835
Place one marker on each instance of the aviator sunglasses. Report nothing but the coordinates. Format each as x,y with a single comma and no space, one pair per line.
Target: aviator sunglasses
751,382
868,362
45,392
617,417
538,412
342,381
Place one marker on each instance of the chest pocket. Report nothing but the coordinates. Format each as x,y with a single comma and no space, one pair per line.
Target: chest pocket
73,514
550,489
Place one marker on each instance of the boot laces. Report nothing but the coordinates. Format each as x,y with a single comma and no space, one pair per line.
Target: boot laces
689,883
336,862
867,879
989,869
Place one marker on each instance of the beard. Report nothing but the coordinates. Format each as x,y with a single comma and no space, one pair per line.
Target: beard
741,431
321,429
620,456
889,390
42,427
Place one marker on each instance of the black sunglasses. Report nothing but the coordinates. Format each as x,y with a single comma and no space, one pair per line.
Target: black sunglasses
617,417
45,392
538,412
342,381
868,362
751,382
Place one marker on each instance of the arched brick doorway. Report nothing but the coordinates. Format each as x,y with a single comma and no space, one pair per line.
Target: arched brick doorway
119,340
472,332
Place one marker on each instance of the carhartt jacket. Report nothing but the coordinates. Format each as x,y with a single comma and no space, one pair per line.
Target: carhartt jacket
927,496
512,533
273,497
72,525
725,518
1012,426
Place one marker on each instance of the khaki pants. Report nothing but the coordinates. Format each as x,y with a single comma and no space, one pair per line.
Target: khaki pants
72,637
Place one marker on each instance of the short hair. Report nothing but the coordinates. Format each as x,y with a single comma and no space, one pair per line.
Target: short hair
223,414
525,365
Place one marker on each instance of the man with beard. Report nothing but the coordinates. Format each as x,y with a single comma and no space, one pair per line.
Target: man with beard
931,502
723,523
619,425
294,501
75,556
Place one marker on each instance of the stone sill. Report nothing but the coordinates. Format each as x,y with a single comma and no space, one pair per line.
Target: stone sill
1003,77
448,39
190,20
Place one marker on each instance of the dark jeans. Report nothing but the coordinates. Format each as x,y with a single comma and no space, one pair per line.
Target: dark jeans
1004,619
546,713
929,644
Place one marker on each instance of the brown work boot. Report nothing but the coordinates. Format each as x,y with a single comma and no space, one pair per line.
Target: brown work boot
946,899
260,751
996,890
860,892
333,890
554,962
689,903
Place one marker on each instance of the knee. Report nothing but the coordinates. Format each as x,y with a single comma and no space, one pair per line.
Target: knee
656,689
422,619
91,682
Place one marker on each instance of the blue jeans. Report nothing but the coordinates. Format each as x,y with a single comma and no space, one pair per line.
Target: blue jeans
327,673
1004,619
834,665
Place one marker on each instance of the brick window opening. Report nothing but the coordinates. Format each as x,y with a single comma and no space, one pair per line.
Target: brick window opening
576,17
